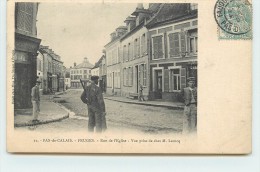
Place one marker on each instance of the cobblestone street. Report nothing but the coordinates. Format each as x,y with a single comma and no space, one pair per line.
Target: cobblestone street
120,116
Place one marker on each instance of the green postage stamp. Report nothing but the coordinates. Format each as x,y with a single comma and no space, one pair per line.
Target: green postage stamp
234,18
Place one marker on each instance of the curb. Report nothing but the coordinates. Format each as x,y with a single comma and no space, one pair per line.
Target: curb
176,107
41,122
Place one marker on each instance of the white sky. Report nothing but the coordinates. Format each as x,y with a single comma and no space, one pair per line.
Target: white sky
78,30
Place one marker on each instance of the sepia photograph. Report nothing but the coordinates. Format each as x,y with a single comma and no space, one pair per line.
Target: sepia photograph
129,77
106,71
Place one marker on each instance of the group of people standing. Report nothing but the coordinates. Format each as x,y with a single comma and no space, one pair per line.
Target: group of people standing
93,97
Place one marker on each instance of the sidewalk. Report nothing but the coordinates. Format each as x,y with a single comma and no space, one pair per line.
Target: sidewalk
156,103
50,112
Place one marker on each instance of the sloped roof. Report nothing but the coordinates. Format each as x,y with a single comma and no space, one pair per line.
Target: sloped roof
85,64
98,62
172,12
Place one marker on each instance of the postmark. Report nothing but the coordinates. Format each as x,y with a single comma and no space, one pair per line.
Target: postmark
234,18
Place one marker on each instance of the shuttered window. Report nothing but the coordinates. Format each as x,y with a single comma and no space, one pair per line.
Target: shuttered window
144,74
25,17
143,45
158,47
177,79
183,78
183,42
125,77
193,41
166,80
130,76
124,53
130,52
137,48
177,44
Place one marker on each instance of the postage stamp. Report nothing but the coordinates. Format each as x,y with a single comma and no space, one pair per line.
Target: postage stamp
234,18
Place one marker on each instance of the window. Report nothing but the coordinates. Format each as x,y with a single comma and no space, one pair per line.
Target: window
130,76
193,6
193,41
174,45
175,80
25,17
124,74
144,75
177,44
136,48
158,47
142,72
124,53
143,45
127,76
118,80
118,55
130,52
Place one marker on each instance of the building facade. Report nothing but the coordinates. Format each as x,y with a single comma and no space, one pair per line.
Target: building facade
57,77
134,48
113,62
52,70
173,49
39,62
25,54
81,71
103,73
67,80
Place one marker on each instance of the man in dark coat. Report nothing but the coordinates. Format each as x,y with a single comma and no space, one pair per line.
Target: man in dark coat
96,106
190,109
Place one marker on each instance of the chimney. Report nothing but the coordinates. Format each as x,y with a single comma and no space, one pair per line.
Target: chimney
140,6
141,14
75,64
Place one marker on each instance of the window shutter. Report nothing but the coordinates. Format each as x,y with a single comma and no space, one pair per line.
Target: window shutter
183,42
166,80
155,48
176,44
160,47
171,49
183,78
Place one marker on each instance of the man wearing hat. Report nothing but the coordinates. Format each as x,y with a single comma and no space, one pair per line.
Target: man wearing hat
190,109
36,100
96,106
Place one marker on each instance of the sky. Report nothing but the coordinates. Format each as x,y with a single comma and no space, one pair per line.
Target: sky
78,30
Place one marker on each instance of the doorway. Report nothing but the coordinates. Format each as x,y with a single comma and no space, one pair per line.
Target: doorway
158,83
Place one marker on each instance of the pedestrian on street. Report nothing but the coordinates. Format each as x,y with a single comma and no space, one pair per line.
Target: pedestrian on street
190,109
96,106
36,100
140,95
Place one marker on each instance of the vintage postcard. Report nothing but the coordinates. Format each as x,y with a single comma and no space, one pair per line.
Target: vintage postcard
133,77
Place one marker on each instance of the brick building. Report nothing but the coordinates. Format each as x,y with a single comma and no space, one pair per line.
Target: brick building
25,54
172,49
